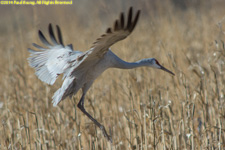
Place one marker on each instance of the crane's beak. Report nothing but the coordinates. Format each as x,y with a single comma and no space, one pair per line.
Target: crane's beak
163,68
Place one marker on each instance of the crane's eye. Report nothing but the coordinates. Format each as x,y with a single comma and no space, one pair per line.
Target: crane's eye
156,61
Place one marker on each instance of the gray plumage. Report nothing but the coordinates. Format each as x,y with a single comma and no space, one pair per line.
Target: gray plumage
80,69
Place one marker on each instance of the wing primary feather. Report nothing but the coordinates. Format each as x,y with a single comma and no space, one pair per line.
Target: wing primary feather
51,33
121,29
43,39
31,51
39,47
135,21
122,21
129,18
70,46
59,35
116,26
109,30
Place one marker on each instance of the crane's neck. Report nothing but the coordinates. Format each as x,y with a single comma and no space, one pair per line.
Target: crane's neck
130,65
119,63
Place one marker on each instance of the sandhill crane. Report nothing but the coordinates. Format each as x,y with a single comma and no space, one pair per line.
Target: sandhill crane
80,69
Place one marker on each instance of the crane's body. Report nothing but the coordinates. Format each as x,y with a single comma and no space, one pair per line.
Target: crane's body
86,75
80,69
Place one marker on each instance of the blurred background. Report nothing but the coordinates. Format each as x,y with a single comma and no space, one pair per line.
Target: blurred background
141,108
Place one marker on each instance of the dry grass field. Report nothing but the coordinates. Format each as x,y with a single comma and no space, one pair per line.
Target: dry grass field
143,108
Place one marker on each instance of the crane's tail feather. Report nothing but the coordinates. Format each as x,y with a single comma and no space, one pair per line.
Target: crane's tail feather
57,97
68,89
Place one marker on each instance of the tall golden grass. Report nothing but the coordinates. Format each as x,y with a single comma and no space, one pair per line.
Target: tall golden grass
142,108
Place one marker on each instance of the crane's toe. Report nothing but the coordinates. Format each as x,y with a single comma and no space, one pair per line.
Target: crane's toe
105,133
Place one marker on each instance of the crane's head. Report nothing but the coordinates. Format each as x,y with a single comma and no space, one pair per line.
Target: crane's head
152,62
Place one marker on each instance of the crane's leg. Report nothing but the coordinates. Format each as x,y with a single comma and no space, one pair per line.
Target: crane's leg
80,105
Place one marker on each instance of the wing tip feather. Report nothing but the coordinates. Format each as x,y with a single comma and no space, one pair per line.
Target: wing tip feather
59,35
119,25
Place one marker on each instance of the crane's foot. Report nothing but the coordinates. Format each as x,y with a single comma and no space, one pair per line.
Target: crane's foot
105,133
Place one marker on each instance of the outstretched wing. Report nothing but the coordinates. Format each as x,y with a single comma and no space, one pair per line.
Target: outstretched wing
54,60
120,31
